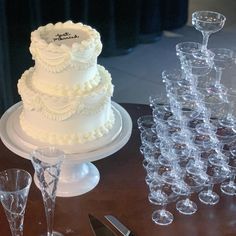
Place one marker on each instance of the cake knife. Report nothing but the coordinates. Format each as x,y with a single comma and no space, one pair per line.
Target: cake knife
119,226
99,229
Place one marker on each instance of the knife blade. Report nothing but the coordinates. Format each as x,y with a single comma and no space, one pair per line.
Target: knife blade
119,226
99,229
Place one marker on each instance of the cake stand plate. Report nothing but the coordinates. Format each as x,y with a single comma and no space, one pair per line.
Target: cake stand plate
78,175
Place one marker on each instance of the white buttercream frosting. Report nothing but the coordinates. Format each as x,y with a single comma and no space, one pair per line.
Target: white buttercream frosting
68,80
63,45
63,107
66,96
67,134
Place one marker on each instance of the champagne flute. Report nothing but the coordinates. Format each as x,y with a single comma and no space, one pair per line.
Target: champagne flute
47,164
14,190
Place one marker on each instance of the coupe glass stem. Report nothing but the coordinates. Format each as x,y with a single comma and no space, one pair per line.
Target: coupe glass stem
218,75
210,188
230,110
187,201
231,180
163,212
205,40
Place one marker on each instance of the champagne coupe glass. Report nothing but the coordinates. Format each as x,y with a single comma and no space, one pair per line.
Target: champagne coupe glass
218,157
151,156
223,59
160,106
145,122
174,173
207,22
225,135
214,102
148,139
190,106
47,164
197,65
184,50
145,125
14,190
228,119
203,142
206,127
157,100
196,164
161,194
151,169
161,113
162,130
173,77
156,196
192,183
154,170
216,174
165,158
177,119
229,186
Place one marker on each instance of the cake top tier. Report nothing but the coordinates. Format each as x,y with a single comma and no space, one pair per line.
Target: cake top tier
58,46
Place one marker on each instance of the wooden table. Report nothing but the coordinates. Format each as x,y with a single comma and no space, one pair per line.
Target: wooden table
122,192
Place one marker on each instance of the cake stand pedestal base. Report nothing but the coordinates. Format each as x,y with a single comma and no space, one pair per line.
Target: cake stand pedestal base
78,174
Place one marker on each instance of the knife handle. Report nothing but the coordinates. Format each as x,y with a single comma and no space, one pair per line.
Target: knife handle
131,234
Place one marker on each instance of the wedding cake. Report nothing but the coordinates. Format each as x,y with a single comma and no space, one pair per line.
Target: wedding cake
66,96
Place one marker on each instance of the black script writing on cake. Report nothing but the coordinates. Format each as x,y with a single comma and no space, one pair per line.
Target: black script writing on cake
64,36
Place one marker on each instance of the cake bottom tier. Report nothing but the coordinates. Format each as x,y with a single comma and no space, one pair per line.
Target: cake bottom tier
77,129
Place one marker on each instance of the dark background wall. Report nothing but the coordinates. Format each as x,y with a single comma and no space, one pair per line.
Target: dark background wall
121,23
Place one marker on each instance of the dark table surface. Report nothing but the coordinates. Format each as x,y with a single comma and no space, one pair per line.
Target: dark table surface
123,193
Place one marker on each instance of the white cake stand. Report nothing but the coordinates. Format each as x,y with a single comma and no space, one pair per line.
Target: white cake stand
78,174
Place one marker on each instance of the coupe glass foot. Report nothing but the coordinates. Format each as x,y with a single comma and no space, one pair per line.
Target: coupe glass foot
229,189
186,207
209,198
162,217
54,233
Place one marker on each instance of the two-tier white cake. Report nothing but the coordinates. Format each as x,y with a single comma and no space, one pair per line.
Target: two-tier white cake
66,96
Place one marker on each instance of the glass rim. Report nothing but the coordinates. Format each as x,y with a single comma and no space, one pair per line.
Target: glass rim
228,53
212,12
23,171
40,152
231,92
140,118
178,49
221,49
173,73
